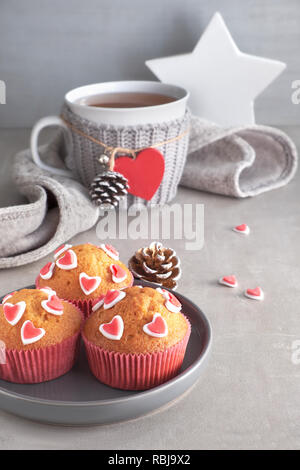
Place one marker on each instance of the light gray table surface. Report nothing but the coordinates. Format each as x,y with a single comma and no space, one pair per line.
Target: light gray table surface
248,397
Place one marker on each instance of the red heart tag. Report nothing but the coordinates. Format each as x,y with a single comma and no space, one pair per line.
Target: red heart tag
118,273
89,283
30,334
14,312
114,329
68,261
157,328
144,173
53,305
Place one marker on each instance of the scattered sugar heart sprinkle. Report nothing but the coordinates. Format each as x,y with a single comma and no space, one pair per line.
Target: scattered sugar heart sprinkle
243,229
255,294
229,281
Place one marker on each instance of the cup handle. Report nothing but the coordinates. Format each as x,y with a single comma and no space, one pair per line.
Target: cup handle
45,122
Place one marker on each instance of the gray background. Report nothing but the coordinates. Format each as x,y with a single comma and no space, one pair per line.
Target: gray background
48,47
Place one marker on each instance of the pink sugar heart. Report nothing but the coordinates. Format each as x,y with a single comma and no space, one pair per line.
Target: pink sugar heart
47,271
89,283
114,329
67,261
118,273
14,312
157,327
255,294
242,229
229,281
53,305
112,298
30,334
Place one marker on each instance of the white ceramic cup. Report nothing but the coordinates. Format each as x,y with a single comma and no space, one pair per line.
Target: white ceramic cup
112,116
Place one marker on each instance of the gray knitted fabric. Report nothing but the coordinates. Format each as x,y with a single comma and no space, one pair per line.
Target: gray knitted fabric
236,162
85,153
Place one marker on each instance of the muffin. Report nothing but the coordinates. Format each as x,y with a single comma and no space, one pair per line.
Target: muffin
41,336
84,273
137,338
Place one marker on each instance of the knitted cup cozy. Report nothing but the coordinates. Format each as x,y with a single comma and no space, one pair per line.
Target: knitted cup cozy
83,159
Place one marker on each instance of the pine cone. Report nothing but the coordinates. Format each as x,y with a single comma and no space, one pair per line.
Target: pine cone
156,264
107,189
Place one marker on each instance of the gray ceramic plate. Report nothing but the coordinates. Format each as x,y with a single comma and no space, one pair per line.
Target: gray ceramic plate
78,398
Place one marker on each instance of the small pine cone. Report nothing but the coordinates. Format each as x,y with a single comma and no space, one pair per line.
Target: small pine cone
156,264
107,189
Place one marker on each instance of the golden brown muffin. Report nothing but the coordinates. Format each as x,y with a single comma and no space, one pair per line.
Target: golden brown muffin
71,280
137,309
57,326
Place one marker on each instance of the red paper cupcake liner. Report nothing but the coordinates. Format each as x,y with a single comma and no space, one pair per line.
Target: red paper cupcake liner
135,371
40,365
84,305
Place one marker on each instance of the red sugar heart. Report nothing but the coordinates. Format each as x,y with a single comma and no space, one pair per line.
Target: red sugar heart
89,283
61,249
53,305
174,300
118,273
110,251
112,297
255,292
229,279
13,313
114,329
68,260
243,228
144,173
30,334
157,328
47,270
97,303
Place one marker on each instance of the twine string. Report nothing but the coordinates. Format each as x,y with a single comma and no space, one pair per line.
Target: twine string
113,151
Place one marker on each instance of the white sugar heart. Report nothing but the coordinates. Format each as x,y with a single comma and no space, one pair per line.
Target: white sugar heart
14,312
53,305
61,249
118,273
98,303
30,334
114,329
112,298
172,303
88,283
47,271
243,229
47,290
255,294
110,251
157,328
229,281
67,261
